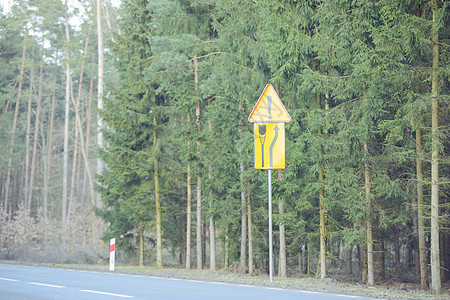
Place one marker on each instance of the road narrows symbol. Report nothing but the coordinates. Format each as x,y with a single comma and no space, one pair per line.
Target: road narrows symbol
262,139
273,145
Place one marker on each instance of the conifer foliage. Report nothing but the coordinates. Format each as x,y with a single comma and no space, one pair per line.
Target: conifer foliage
365,189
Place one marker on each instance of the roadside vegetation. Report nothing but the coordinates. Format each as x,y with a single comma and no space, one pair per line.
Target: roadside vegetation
130,123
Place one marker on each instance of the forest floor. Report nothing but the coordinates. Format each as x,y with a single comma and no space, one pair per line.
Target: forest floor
382,291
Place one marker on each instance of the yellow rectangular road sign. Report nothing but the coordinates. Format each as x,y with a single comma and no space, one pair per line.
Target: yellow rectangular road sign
269,145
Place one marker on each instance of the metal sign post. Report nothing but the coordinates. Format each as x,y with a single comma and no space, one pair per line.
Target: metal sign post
270,228
269,116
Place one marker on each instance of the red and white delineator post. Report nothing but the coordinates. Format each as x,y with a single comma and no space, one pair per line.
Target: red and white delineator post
112,253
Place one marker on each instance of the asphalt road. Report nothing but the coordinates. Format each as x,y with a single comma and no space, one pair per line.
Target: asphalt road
20,282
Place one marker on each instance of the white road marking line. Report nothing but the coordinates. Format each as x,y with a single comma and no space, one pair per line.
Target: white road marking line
49,285
104,293
8,279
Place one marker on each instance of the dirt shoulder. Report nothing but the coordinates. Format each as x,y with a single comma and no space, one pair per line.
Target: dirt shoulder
328,285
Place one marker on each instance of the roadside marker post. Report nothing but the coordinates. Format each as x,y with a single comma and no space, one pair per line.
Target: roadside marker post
269,116
112,253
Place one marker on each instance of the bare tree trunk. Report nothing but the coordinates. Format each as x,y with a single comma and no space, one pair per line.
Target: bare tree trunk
348,262
323,259
282,273
49,151
26,168
6,206
243,257
421,212
66,125
159,262
188,208
199,224
188,218
87,169
78,126
250,237
226,257
370,269
397,252
141,243
212,229
36,132
99,88
83,151
434,251
199,180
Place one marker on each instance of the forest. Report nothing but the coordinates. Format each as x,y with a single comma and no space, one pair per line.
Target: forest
131,122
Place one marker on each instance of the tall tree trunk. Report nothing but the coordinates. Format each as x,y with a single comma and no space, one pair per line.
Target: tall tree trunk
323,261
188,218
49,150
99,89
87,169
250,237
36,132
435,264
243,257
188,208
6,206
26,168
66,125
370,269
77,126
421,212
159,262
282,260
397,252
141,243
199,180
212,229
348,262
83,151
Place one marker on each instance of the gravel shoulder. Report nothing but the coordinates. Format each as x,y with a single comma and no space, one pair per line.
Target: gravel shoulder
328,285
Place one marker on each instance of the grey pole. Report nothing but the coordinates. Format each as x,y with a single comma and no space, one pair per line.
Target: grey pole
270,228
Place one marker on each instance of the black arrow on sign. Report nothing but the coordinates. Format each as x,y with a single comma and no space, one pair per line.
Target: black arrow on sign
273,145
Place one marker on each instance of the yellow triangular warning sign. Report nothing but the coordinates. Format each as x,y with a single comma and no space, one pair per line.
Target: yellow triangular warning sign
269,108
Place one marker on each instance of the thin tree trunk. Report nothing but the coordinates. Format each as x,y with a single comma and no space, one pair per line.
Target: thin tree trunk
159,262
83,151
421,212
282,273
226,257
250,237
348,262
199,180
434,251
6,206
66,126
323,265
189,209
141,243
188,218
99,89
370,269
243,257
36,133
49,151
77,126
26,168
212,229
397,252
87,169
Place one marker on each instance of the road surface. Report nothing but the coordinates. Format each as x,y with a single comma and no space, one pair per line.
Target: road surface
20,282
